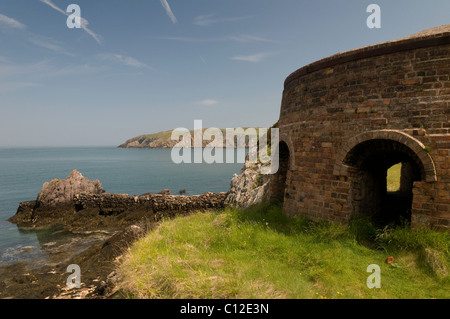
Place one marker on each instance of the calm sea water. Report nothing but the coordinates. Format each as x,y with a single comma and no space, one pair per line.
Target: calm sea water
129,171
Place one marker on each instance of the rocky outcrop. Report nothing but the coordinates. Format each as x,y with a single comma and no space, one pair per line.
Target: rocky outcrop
248,188
164,192
251,187
80,204
61,191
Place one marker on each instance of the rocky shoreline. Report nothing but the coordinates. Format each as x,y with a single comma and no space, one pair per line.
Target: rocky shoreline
82,208
97,264
78,204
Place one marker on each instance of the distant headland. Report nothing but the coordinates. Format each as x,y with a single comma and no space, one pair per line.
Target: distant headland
162,140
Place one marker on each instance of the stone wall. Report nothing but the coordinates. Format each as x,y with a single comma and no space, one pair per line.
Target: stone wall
113,211
109,204
346,119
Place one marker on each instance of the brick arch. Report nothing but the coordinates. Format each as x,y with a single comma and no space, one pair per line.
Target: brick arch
415,145
287,140
279,181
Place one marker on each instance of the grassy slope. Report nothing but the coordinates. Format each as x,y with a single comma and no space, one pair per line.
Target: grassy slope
260,253
160,135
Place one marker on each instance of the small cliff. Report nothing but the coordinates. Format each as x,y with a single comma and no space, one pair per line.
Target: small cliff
251,187
248,188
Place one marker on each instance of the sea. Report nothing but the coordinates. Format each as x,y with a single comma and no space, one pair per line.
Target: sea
23,171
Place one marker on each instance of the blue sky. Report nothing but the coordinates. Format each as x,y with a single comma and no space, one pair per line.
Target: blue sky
143,66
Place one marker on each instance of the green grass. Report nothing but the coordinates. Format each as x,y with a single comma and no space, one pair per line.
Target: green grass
393,178
261,253
160,135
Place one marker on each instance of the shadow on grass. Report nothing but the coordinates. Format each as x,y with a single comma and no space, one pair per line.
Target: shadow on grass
391,238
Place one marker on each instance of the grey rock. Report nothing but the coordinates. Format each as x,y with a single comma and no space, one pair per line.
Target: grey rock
248,188
164,192
59,191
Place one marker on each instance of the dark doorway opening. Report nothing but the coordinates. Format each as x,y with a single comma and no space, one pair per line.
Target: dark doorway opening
278,180
371,196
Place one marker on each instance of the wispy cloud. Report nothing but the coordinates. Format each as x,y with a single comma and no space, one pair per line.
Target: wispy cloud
7,87
84,22
125,60
250,38
17,76
49,44
254,58
14,72
72,70
11,23
190,39
169,12
12,76
51,4
210,19
238,38
10,70
208,102
41,41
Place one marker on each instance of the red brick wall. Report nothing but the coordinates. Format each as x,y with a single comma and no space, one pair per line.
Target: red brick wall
406,88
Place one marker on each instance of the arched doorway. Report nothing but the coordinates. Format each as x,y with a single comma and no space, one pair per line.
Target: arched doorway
278,180
370,161
364,160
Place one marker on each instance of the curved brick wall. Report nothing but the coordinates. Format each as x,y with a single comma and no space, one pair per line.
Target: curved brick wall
347,117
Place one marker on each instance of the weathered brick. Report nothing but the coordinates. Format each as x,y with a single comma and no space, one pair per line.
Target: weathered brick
329,107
